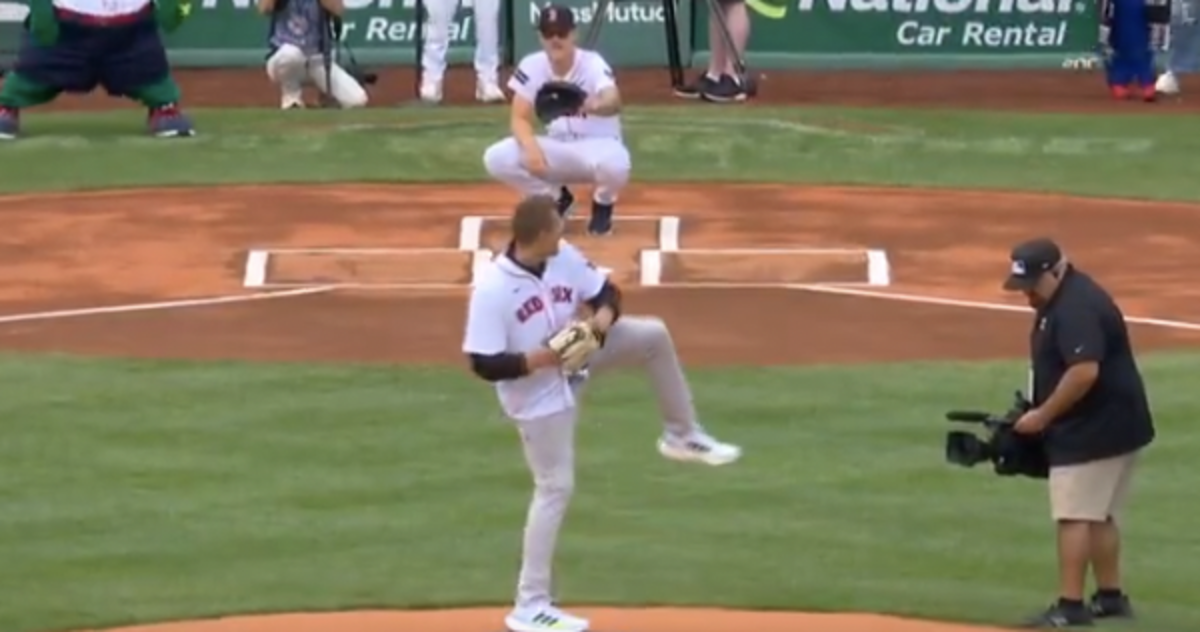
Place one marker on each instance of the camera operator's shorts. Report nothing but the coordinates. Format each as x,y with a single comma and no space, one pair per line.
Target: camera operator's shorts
1094,491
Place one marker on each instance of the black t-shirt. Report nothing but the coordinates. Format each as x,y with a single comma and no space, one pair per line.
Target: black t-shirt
1082,323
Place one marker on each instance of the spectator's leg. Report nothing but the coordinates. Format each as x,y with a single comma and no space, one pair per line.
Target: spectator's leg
341,86
737,16
437,42
287,67
487,51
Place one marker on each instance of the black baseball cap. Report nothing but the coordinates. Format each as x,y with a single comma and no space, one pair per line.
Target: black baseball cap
555,19
1029,261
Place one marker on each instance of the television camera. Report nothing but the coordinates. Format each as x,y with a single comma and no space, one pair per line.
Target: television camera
1010,453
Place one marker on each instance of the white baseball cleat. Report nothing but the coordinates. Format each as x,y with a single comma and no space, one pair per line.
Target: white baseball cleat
489,92
699,447
431,91
291,102
1167,83
543,619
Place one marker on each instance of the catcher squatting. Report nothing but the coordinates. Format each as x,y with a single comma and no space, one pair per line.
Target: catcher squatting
541,320
572,91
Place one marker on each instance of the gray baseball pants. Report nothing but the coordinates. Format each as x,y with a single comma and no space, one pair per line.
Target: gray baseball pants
549,442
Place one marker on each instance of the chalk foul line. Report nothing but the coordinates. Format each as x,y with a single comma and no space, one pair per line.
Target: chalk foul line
161,305
951,302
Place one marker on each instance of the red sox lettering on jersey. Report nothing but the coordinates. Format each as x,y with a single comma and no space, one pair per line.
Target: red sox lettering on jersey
514,311
535,304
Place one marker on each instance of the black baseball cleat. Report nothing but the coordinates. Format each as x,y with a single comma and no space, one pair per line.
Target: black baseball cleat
566,202
1062,615
601,220
1111,605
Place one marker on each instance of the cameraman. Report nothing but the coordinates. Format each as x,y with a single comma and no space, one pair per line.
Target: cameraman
300,39
1090,407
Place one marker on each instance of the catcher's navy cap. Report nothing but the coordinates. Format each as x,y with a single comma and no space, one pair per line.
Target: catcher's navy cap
1029,261
555,20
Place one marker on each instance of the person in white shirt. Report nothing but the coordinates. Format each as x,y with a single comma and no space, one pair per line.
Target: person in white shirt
584,149
1183,56
526,295
296,56
487,49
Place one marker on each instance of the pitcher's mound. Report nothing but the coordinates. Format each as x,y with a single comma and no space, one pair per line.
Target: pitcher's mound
603,620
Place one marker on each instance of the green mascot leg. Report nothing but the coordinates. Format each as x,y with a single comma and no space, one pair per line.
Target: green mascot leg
157,95
19,92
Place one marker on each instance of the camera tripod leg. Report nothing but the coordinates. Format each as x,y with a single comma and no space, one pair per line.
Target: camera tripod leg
599,17
674,55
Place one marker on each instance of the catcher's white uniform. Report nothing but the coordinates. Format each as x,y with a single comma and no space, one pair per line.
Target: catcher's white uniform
581,149
514,310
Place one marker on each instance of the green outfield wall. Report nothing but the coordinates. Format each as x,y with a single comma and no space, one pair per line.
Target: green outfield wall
882,34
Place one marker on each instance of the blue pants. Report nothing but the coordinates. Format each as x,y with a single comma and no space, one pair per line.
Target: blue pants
1184,55
121,59
1132,60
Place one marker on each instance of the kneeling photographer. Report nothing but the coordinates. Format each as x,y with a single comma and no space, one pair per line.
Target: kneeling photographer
304,36
1090,412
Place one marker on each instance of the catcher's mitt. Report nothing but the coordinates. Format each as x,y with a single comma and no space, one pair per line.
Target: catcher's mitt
574,344
558,98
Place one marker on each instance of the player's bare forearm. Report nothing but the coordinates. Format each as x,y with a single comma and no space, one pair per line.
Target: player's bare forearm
605,307
607,103
603,318
336,7
521,123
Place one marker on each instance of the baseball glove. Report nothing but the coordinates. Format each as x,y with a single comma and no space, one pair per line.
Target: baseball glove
557,99
574,344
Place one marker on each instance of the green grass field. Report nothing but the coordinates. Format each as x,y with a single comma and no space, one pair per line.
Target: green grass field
144,491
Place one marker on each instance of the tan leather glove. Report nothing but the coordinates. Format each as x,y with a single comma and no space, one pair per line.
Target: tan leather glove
574,344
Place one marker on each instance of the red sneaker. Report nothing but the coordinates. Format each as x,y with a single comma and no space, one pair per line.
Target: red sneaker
1149,93
10,123
1120,93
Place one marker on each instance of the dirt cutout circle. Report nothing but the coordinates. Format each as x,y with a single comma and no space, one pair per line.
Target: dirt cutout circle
602,620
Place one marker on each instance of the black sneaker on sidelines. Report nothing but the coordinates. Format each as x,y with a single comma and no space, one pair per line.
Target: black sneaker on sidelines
1111,605
695,89
1062,615
727,89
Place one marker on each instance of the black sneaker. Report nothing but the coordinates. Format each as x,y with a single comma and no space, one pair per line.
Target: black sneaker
727,89
697,88
601,222
1111,606
566,202
1061,616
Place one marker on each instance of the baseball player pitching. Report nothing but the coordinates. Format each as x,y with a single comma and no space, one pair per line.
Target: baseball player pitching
585,147
541,319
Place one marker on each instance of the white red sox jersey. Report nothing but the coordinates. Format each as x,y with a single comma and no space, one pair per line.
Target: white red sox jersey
102,8
589,72
512,310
